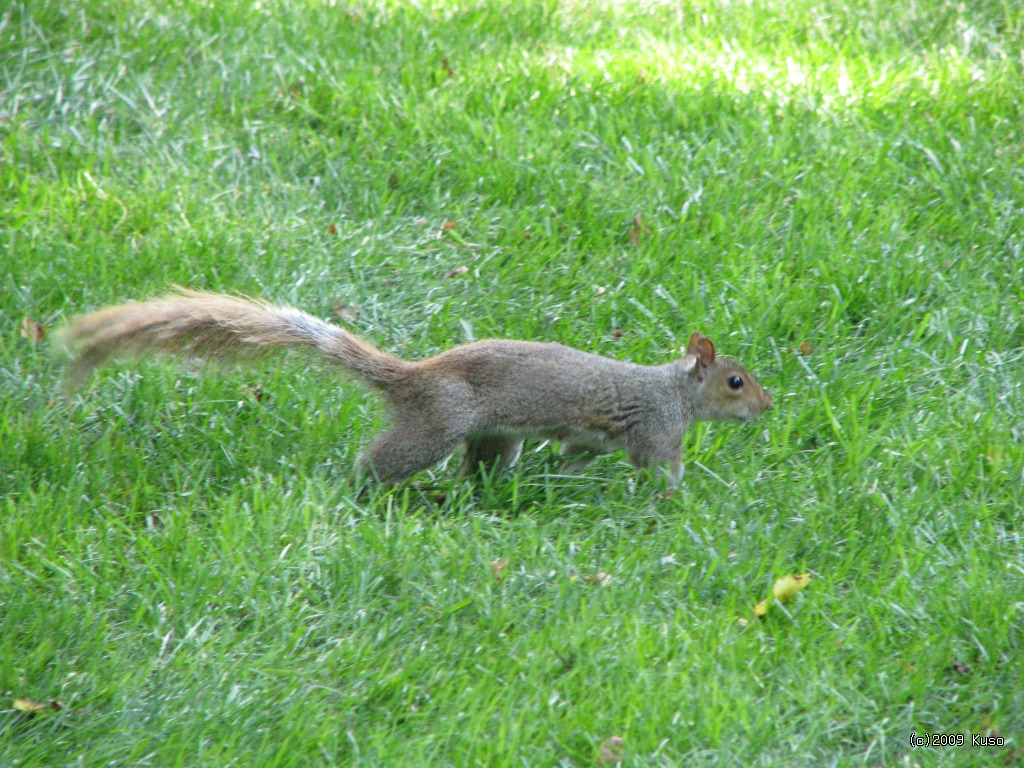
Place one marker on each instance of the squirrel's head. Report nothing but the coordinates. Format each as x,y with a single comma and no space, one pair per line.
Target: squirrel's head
729,392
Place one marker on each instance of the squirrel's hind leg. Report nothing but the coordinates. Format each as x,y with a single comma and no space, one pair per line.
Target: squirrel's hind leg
398,453
490,452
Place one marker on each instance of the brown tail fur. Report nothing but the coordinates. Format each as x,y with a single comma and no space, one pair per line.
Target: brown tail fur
215,326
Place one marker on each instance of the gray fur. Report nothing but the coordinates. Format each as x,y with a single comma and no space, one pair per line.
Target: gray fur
487,395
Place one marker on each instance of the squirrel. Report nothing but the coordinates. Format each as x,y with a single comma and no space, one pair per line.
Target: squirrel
488,395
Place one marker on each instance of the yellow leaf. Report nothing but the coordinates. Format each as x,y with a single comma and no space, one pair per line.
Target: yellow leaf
600,579
787,586
782,590
35,707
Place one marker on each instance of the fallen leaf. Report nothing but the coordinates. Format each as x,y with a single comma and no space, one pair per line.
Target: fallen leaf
345,311
638,230
989,726
36,707
599,579
611,751
448,225
787,586
333,229
256,391
782,590
456,272
32,330
805,350
1014,757
498,567
617,333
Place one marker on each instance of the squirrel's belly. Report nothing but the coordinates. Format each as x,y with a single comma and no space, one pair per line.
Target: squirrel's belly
584,438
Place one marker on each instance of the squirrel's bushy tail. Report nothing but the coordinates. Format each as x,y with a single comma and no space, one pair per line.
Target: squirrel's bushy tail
213,325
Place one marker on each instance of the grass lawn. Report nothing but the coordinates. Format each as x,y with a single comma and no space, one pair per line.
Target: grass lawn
832,192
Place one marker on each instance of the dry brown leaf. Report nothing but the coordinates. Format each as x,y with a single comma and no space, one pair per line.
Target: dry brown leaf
1014,757
805,350
333,229
989,726
345,311
617,333
456,272
256,391
498,567
32,330
449,225
961,667
638,230
599,579
611,751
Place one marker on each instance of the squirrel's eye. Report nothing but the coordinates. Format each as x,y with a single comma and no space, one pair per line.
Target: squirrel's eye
735,382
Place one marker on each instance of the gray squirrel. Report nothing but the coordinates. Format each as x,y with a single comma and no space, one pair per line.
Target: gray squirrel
488,395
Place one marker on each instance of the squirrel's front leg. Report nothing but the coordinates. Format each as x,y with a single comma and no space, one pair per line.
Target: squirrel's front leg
662,455
672,471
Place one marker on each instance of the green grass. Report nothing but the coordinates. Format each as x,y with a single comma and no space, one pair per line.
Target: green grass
183,565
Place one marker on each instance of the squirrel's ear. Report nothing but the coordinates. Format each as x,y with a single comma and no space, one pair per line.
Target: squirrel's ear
701,347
